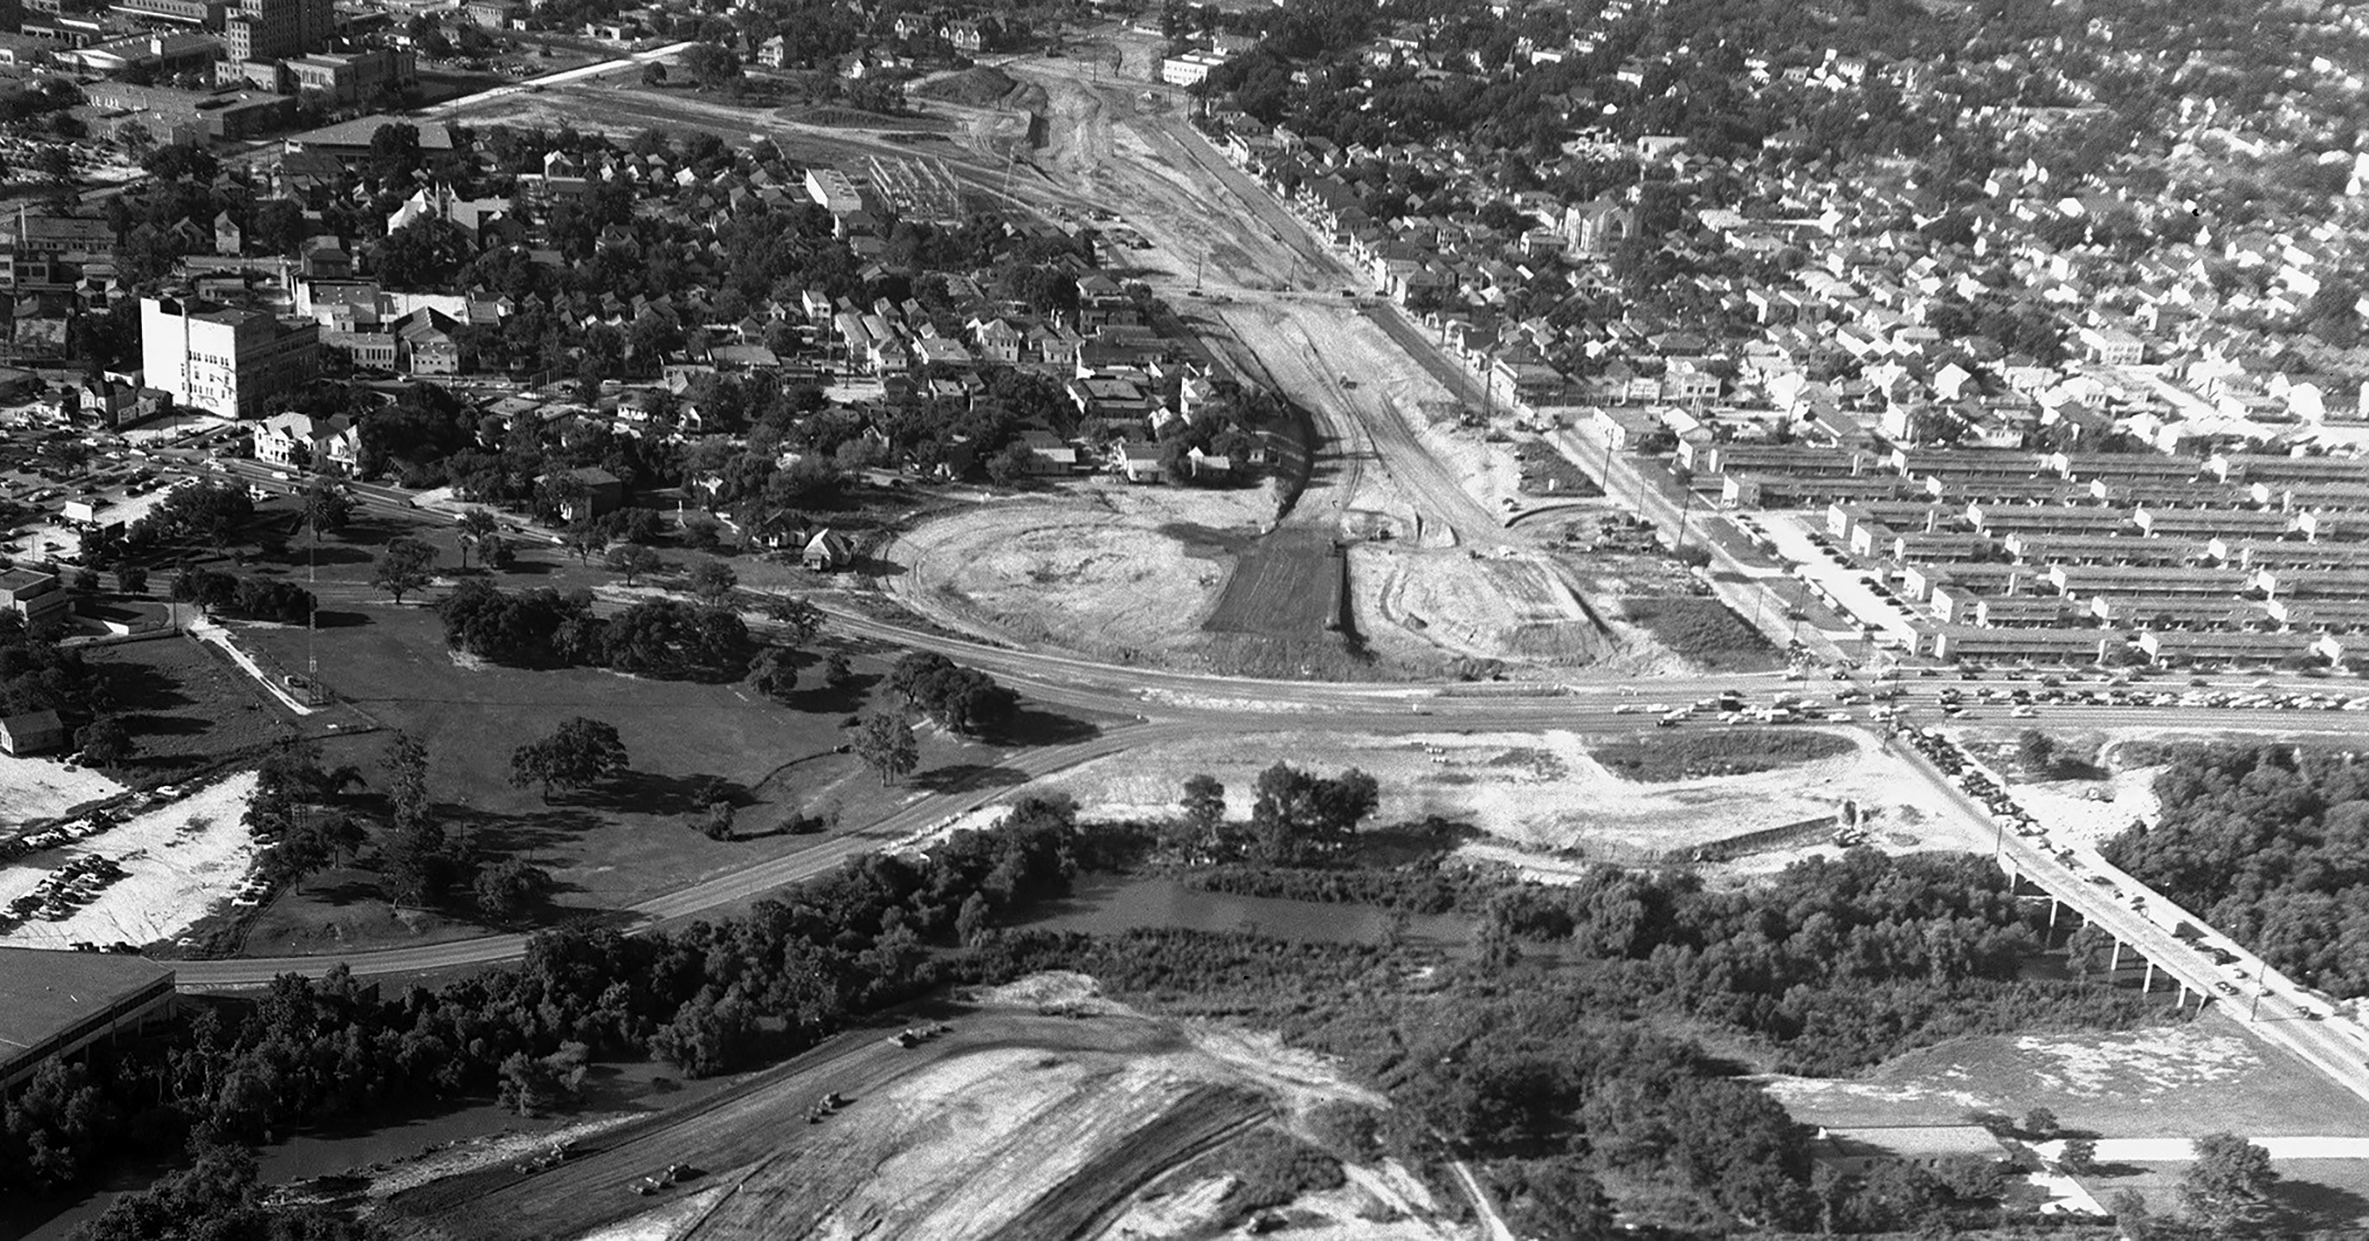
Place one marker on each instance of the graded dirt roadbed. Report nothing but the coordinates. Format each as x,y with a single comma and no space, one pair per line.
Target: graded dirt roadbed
1015,1124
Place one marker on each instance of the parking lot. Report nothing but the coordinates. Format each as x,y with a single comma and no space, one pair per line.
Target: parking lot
120,478
1861,595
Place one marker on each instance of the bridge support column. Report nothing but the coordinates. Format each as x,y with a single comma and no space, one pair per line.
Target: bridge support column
2053,903
2114,962
2182,1006
2147,984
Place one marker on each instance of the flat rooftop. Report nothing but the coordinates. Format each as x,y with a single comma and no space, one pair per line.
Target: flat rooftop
44,994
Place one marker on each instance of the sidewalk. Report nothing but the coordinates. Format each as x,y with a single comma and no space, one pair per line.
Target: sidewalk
209,631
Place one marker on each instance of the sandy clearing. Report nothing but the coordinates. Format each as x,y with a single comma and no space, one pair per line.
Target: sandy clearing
1534,792
34,789
2065,809
1178,1213
2062,1195
2183,1150
667,1222
1302,1078
180,860
486,1152
2167,1081
1090,567
1491,607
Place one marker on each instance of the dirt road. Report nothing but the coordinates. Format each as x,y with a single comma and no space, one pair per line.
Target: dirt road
1032,1117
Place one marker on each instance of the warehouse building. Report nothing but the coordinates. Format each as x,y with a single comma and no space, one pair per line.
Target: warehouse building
57,1004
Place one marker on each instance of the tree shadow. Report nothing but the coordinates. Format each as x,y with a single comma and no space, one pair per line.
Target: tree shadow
2313,1209
844,698
296,555
144,725
651,793
340,893
1033,726
323,618
140,685
968,778
513,834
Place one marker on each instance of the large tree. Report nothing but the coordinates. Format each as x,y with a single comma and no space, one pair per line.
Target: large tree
885,742
327,507
406,565
2227,1189
631,561
1300,817
478,528
582,751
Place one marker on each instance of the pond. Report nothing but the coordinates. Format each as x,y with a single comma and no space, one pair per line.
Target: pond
1112,904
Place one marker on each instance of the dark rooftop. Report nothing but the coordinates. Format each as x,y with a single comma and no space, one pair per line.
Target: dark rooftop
45,993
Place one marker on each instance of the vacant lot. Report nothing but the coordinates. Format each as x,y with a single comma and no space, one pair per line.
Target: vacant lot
1703,631
187,705
2181,1080
1726,752
36,789
1549,807
2177,1081
1040,1112
1513,608
1102,568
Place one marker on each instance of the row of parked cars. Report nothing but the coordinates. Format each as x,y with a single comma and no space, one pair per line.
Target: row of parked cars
64,891
1980,785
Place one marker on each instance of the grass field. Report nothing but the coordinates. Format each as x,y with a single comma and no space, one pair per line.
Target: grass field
610,848
1728,752
1702,630
187,706
2179,1080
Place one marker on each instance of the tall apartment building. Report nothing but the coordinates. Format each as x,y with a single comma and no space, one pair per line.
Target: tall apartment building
274,29
231,362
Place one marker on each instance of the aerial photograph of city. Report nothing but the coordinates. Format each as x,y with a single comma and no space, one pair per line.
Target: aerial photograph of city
1165,620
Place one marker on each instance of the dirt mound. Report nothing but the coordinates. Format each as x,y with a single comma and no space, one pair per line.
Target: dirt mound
1487,607
977,87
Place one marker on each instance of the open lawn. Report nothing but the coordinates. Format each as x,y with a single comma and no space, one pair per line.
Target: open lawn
2180,1081
609,847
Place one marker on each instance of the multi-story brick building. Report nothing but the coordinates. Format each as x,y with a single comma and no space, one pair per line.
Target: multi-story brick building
230,361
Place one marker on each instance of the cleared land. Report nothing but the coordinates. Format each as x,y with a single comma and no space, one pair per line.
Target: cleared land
2180,1081
33,790
1040,1114
1550,807
2185,1080
1728,752
1095,567
1486,607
